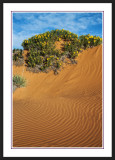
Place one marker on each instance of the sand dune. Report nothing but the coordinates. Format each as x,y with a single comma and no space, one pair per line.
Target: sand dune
63,110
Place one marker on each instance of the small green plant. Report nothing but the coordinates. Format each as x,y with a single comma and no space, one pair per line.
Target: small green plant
19,81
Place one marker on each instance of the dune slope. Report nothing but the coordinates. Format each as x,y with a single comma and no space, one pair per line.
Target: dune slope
63,110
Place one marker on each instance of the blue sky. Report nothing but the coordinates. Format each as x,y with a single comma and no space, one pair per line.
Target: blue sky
26,25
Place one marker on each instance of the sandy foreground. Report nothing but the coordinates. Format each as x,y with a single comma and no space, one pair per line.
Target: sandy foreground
63,110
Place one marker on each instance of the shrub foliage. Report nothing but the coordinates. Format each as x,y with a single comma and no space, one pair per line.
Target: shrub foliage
19,81
44,55
17,53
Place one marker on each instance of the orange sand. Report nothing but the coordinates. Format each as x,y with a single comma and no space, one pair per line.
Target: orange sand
63,110
59,44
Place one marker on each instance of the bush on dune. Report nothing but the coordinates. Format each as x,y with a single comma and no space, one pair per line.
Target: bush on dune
19,81
17,53
42,52
89,41
18,58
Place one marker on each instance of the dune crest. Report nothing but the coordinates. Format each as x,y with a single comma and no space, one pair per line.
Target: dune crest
63,110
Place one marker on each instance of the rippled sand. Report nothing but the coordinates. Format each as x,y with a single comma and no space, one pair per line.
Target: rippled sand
62,110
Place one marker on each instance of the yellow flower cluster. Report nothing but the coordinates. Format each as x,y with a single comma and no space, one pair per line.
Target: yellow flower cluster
95,38
42,36
87,38
52,56
43,43
75,53
60,63
90,36
26,41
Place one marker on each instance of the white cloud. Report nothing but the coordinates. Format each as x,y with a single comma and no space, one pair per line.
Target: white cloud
66,21
19,37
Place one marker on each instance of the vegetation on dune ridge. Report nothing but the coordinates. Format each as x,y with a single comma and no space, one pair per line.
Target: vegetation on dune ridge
18,58
42,52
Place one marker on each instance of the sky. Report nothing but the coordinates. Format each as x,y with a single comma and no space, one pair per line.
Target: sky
26,25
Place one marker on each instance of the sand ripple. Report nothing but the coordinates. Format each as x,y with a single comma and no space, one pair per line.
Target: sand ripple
63,110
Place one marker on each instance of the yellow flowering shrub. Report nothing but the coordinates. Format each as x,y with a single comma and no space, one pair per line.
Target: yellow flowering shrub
42,52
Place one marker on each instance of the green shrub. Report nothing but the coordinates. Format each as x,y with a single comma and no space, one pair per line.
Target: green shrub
17,50
43,54
89,41
17,53
19,81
